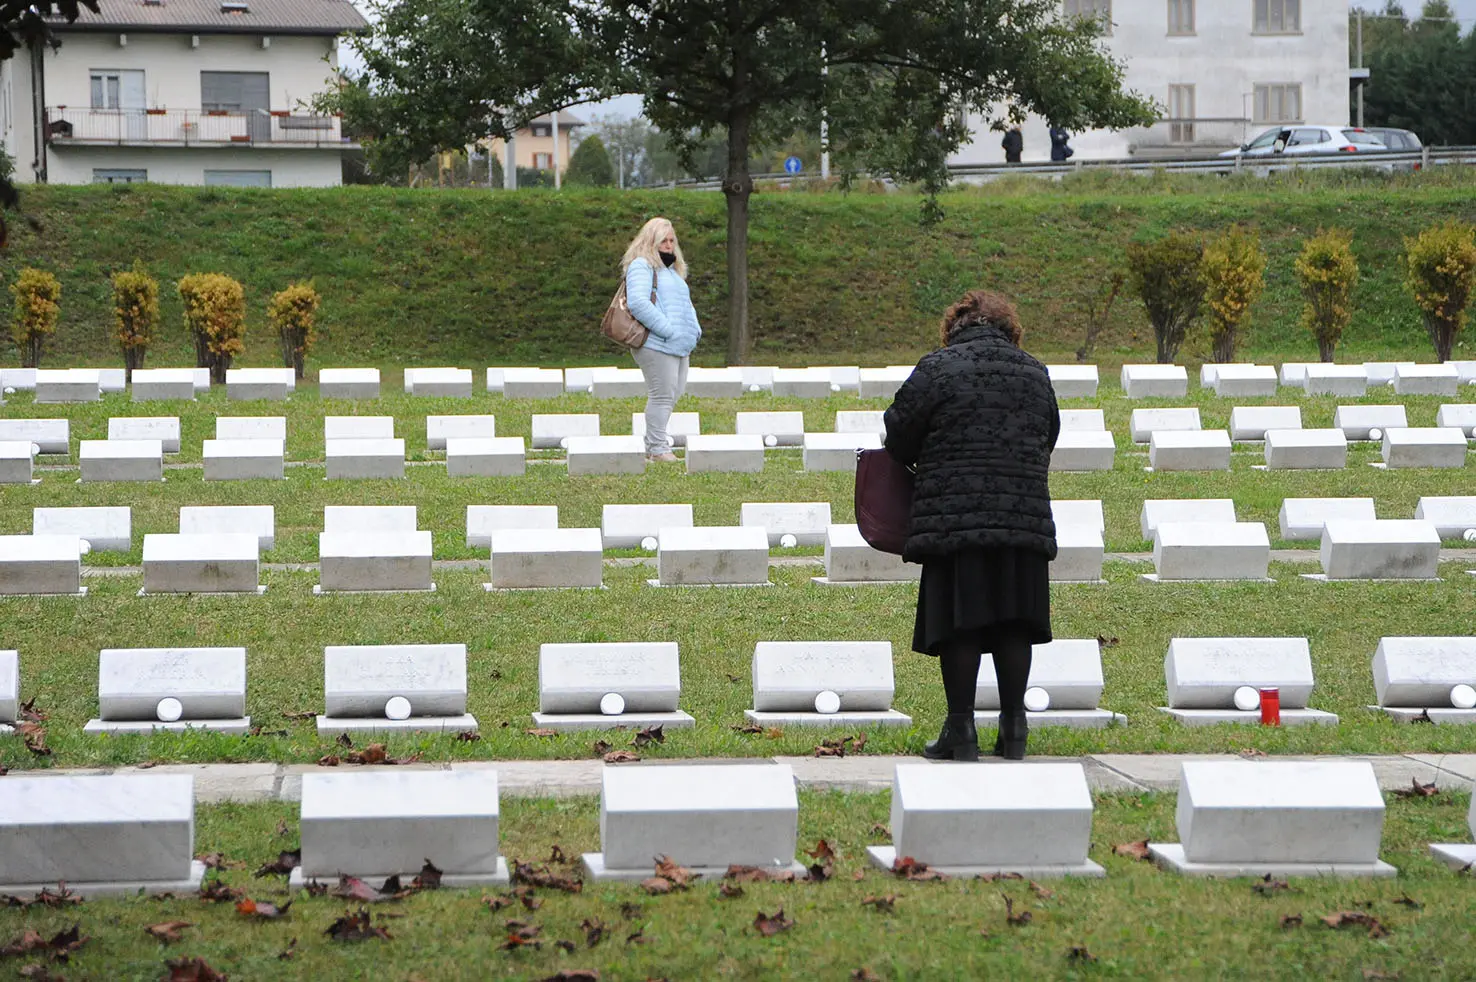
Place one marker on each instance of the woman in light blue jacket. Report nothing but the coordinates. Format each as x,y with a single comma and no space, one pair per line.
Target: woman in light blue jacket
653,262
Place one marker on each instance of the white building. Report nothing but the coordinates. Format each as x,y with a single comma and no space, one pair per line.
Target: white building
180,92
1220,70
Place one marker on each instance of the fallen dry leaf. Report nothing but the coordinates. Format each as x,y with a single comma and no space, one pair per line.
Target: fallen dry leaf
521,934
996,877
330,760
656,886
1133,850
557,856
1013,919
594,931
730,891
1251,753
638,937
1417,790
215,891
1406,900
286,861
773,733
344,740
630,911
758,874
353,888
651,734
25,943
1041,891
289,952
1357,918
262,910
356,926
886,904
541,732
679,876
34,736
1423,717
768,926
1079,953
864,974
567,947
600,747
30,713
752,729
1291,920
192,970
217,860
429,877
880,830
298,717
498,903
1266,886
910,869
37,972
1105,642
573,974
539,876
621,757
468,736
530,901
169,931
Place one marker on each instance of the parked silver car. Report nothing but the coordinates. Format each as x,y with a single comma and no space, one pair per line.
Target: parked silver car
1308,139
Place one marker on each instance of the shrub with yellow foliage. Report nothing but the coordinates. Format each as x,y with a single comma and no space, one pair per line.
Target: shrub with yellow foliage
292,313
135,315
215,315
37,307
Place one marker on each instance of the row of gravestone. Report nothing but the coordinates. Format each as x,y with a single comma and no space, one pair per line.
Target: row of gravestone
423,687
102,834
1246,381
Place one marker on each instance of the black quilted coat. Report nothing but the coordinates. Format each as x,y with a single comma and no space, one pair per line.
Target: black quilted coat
978,418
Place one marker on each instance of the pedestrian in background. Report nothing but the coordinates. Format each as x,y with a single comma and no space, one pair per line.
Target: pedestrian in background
1013,144
1060,144
653,265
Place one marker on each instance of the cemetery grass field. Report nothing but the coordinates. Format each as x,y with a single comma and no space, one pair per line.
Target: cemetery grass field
285,630
1137,923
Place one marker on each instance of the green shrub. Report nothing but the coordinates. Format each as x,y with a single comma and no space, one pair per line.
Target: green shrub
292,313
135,315
37,306
215,314
590,165
1327,272
1166,276
1440,267
1234,274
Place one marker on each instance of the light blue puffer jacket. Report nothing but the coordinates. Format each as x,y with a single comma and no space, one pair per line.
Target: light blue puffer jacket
671,320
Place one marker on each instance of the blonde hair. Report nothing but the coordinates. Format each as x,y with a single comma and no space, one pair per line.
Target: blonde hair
643,246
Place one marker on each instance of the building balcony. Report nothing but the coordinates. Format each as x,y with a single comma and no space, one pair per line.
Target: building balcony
80,126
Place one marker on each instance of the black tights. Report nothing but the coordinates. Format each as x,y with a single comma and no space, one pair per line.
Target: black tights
959,659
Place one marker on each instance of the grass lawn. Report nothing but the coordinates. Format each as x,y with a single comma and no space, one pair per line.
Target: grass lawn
286,630
1139,922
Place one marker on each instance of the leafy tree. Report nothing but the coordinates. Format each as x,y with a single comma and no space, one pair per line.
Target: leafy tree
590,164
1167,275
893,77
1440,271
1327,271
625,140
1234,270
1418,72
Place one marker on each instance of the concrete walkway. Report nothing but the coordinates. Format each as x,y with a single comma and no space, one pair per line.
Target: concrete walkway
558,778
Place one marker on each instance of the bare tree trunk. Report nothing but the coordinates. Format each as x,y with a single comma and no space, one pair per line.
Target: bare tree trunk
737,187
1224,346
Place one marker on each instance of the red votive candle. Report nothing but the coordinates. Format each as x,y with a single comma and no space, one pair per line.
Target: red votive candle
1270,707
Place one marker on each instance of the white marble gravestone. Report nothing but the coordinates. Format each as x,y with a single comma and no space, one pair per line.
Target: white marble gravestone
483,520
606,455
271,384
851,561
165,384
1294,374
1459,856
251,428
736,453
1425,380
1210,551
164,429
790,676
1465,370
576,681
1356,422
1158,510
1033,820
844,378
244,460
257,520
374,824
1079,420
627,526
544,559
41,565
447,383
9,690
104,528
1277,818
1457,415
1203,674
135,685
787,428
99,834
1414,677
1070,672
551,430
715,383
802,383
360,681
1452,516
575,379
1189,450
1084,450
1074,381
1424,446
1144,422
837,451
1303,518
1080,553
1250,423
51,436
371,562
17,462
1335,380
438,429
1154,381
352,459
348,383
1244,381
679,427
883,383
369,518
121,460
1386,549
757,378
1383,372
527,383
712,555
503,456
216,562
806,521
358,428
617,383
19,379
1323,449
861,421
704,817
67,385
1084,511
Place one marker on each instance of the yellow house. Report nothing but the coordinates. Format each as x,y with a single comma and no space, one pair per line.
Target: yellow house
534,147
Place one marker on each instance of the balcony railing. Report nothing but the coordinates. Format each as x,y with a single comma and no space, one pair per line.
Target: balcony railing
83,126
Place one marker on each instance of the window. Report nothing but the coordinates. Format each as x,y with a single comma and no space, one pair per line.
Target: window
1099,10
105,88
234,91
238,178
543,161
1278,16
542,129
118,175
1277,103
1181,16
1181,113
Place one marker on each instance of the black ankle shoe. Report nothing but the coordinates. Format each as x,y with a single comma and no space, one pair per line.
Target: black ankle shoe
956,741
1013,729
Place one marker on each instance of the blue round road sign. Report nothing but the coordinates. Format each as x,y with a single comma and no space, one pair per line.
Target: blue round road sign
792,165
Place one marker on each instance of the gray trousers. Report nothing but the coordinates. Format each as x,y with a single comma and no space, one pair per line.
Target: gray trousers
666,380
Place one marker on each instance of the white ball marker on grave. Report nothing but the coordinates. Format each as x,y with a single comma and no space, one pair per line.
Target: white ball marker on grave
712,555
1072,381
606,455
1426,678
703,817
1277,818
649,544
1189,450
771,440
1199,551
827,703
244,460
143,690
787,428
373,824
1458,856
217,562
1322,449
1386,549
837,451
358,428
257,520
1376,434
1084,450
788,541
547,559
439,429
1203,675
1469,535
41,565
1034,820
348,383
1250,423
1423,446
628,526
1154,381
549,430
503,456
1303,518
365,459
1359,422
1069,672
736,453
100,834
1080,553
1247,699
1453,516
806,522
120,460
851,561
789,677
374,562
1037,700
9,690
1145,422
365,687
580,684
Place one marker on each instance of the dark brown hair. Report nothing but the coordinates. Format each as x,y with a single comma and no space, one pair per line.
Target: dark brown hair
980,307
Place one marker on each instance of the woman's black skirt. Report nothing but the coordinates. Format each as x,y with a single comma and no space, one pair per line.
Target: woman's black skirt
976,592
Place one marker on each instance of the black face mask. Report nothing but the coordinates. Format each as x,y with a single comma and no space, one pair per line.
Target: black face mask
668,258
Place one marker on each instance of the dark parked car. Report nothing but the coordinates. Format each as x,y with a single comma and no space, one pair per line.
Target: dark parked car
1398,141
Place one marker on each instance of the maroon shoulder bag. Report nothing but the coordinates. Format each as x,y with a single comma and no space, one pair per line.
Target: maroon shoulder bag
883,500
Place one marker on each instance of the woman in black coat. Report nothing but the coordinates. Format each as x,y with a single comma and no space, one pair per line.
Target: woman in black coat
977,420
